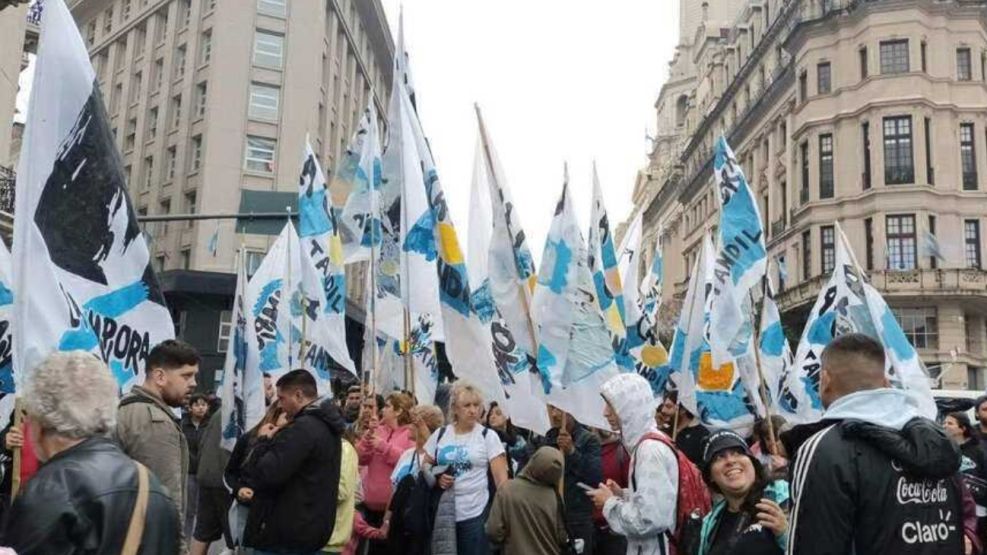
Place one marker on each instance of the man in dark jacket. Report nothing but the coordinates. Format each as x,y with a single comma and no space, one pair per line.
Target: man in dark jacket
82,498
583,465
878,478
211,521
294,474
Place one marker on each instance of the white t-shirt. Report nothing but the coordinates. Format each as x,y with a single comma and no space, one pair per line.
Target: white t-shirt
467,457
408,465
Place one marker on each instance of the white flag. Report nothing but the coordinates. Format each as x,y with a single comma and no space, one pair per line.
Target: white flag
243,385
81,265
513,362
6,337
848,304
605,266
575,355
786,391
359,172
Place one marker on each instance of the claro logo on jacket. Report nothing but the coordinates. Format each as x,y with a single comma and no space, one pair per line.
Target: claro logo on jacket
934,522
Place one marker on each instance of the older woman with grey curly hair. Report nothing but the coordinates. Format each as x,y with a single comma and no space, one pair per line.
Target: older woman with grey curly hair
88,496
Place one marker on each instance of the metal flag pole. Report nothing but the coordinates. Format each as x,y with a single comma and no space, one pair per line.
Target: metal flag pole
287,290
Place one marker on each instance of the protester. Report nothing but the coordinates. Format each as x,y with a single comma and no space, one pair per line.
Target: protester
749,516
878,479
769,450
87,492
270,394
582,466
527,513
412,537
351,408
645,511
665,414
974,462
515,446
379,449
349,479
370,412
615,464
425,419
294,472
461,454
689,433
980,412
147,429
275,419
193,423
212,509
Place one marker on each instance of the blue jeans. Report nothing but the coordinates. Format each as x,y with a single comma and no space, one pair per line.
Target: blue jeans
471,536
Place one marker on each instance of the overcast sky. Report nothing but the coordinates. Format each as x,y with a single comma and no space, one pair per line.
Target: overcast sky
557,80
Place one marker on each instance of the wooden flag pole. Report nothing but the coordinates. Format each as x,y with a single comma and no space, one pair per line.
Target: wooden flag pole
760,371
15,479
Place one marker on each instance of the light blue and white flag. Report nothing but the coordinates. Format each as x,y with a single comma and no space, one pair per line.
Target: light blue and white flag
740,261
513,363
848,304
214,241
575,355
788,394
6,338
243,385
359,173
930,246
604,265
82,271
642,349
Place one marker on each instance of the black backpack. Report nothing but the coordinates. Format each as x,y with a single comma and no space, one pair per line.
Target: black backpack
413,506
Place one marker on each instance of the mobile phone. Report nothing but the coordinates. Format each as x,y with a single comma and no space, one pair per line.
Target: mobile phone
583,486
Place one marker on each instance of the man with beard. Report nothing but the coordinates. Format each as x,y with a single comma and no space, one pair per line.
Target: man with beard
147,429
351,408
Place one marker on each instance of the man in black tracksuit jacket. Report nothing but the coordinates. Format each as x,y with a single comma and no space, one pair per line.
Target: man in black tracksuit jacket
294,474
877,478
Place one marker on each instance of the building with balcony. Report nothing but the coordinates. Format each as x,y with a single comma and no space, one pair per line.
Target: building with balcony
870,113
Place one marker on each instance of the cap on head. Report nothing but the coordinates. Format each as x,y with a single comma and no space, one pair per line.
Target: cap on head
720,441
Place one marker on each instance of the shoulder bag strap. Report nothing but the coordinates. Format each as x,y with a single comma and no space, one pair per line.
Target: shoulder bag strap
570,543
135,531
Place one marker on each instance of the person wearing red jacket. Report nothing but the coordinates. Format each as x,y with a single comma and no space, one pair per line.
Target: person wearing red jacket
379,450
615,464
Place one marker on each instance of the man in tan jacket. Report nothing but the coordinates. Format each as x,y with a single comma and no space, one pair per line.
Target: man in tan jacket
147,429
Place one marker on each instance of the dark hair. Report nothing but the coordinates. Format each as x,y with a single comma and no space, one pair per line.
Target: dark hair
980,401
963,421
510,431
171,354
672,396
195,397
856,344
754,495
354,389
299,379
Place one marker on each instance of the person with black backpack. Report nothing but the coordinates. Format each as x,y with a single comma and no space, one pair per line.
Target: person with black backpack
661,511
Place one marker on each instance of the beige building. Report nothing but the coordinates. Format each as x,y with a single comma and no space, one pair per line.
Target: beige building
210,102
869,113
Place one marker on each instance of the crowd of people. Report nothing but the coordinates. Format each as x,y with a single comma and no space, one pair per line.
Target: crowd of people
368,473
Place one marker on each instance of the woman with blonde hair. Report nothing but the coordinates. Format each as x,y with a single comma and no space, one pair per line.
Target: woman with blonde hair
466,456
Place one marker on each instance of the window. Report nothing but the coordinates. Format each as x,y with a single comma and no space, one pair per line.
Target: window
115,98
923,48
184,13
971,243
196,157
901,242
160,25
140,37
921,326
180,56
894,56
930,174
186,259
108,21
824,77
135,87
91,32
974,378
260,154
176,110
268,49
803,86
157,74
869,243
806,254
825,166
101,62
190,206
863,63
271,7
171,160
827,234
164,208
152,123
148,171
898,165
206,48
968,158
964,64
254,258
225,330
121,54
200,99
865,135
130,139
933,262
264,101
782,273
804,193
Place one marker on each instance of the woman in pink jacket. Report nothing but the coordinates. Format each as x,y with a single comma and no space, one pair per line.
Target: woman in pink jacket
379,450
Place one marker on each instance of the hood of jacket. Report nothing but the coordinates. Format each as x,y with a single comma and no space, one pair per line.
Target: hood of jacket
544,467
630,396
326,410
921,447
887,407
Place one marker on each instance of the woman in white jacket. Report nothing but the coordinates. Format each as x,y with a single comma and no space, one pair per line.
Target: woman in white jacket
645,511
